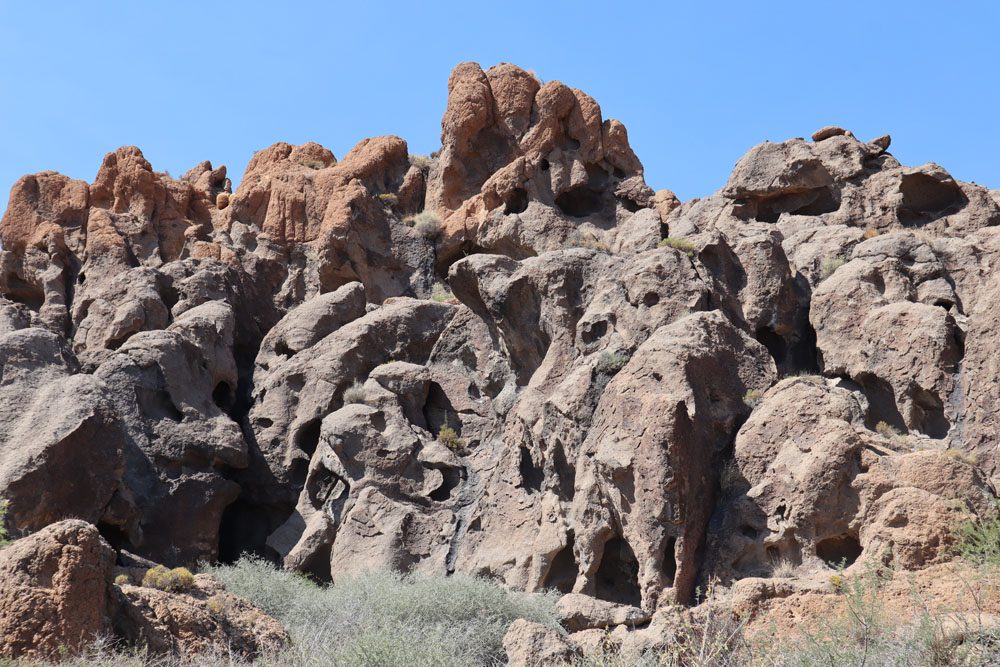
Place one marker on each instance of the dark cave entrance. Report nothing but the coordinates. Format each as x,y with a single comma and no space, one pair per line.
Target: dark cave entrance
843,549
618,575
563,570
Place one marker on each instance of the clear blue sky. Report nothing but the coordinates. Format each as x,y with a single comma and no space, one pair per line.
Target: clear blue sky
696,83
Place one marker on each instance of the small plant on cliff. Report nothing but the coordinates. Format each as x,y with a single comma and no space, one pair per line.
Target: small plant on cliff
609,363
448,437
4,535
588,240
355,394
887,430
979,539
165,579
870,233
441,294
753,398
388,199
121,580
683,245
421,162
425,223
829,265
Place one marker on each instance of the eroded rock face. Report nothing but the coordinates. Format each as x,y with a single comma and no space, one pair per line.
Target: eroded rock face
610,393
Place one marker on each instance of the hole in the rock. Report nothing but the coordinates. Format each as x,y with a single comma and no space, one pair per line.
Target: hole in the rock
82,278
24,293
809,202
749,531
438,409
772,553
298,471
451,478
617,578
244,529
840,550
115,536
223,396
563,570
323,485
317,566
944,303
593,331
532,476
307,437
517,201
628,204
581,201
264,422
774,343
931,413
156,403
565,473
925,198
543,165
670,561
282,349
881,403
650,299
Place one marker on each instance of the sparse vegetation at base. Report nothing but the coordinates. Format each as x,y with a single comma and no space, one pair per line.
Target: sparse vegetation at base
4,535
355,393
387,619
683,245
609,363
420,161
887,430
588,240
388,199
829,265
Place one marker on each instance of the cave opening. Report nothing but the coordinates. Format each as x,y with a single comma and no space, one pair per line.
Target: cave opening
842,550
517,201
617,577
563,569
670,560
532,475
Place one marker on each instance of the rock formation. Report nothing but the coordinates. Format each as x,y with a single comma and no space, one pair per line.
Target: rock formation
626,397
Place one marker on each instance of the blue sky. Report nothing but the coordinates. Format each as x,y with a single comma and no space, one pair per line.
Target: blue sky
696,84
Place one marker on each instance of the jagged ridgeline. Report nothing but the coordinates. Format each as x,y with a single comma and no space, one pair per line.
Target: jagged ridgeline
510,358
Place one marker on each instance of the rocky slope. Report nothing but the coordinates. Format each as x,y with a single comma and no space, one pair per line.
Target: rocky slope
627,397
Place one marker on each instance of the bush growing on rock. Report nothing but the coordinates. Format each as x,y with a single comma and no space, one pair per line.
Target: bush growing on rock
448,437
388,199
355,394
426,223
683,245
829,265
441,294
165,579
609,363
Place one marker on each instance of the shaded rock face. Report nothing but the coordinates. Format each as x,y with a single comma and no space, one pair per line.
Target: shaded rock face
625,396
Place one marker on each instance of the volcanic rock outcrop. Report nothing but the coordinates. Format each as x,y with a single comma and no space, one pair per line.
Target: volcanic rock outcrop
555,376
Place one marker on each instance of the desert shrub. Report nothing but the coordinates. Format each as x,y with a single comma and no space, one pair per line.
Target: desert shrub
782,568
388,199
441,293
968,458
609,363
829,265
4,535
979,540
589,240
355,394
870,233
887,430
121,580
683,245
426,223
420,161
387,619
222,200
165,579
753,398
448,437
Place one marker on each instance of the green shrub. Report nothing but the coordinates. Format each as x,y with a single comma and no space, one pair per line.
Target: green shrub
388,619
165,579
421,162
426,223
4,535
121,580
355,394
683,245
609,363
448,437
829,265
887,430
753,398
388,199
979,539
441,293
